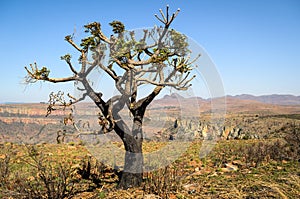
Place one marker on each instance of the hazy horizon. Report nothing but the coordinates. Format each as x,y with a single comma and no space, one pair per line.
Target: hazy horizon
159,97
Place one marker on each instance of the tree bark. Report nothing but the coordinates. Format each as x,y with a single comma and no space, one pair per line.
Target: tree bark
132,175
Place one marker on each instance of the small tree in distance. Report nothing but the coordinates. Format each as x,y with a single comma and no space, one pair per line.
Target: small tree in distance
160,58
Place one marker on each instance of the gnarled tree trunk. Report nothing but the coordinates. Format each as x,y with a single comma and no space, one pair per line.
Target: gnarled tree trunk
132,175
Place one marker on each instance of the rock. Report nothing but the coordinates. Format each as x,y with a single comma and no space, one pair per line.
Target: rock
229,168
238,163
284,162
2,156
232,167
190,187
214,174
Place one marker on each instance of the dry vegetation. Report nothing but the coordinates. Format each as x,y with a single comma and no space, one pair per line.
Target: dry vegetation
234,169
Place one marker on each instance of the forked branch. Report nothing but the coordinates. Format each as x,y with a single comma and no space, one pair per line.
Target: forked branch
36,74
166,20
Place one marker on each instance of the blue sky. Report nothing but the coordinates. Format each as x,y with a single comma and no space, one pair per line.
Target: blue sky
255,45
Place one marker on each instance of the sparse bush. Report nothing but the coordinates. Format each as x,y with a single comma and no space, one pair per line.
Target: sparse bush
292,138
255,154
32,173
277,150
265,151
96,173
40,178
163,181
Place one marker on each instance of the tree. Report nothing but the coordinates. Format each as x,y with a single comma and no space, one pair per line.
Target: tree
160,58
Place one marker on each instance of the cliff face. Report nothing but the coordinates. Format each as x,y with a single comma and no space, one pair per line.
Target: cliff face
27,113
233,127
27,123
245,119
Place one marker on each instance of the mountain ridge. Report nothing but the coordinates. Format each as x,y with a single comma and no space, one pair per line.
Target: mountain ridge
268,104
278,99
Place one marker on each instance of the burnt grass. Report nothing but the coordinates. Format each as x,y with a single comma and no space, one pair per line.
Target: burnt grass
233,169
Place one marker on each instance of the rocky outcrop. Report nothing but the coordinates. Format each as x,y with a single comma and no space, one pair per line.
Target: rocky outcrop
232,128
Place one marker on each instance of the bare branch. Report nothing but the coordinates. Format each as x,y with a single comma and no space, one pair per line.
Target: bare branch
69,39
76,100
83,63
72,68
57,80
90,68
158,83
81,50
67,58
57,100
104,38
163,16
109,70
167,12
96,97
159,18
42,74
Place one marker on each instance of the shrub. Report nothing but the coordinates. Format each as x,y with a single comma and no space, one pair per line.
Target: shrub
37,177
292,137
163,181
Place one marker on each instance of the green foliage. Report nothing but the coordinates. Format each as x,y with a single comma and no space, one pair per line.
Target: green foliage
66,57
182,65
118,27
163,54
179,43
87,42
94,28
68,37
93,41
43,73
122,48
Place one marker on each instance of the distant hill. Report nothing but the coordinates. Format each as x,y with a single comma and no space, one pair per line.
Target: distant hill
271,99
268,104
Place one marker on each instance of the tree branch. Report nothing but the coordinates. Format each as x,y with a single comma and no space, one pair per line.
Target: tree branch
81,50
72,68
67,58
109,70
69,39
37,74
144,102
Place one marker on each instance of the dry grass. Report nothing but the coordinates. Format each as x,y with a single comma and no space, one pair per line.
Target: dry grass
187,177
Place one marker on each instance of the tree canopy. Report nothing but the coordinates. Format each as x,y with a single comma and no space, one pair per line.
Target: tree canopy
159,57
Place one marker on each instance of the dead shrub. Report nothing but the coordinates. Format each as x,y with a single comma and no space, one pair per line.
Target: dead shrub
37,177
163,182
292,138
264,151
